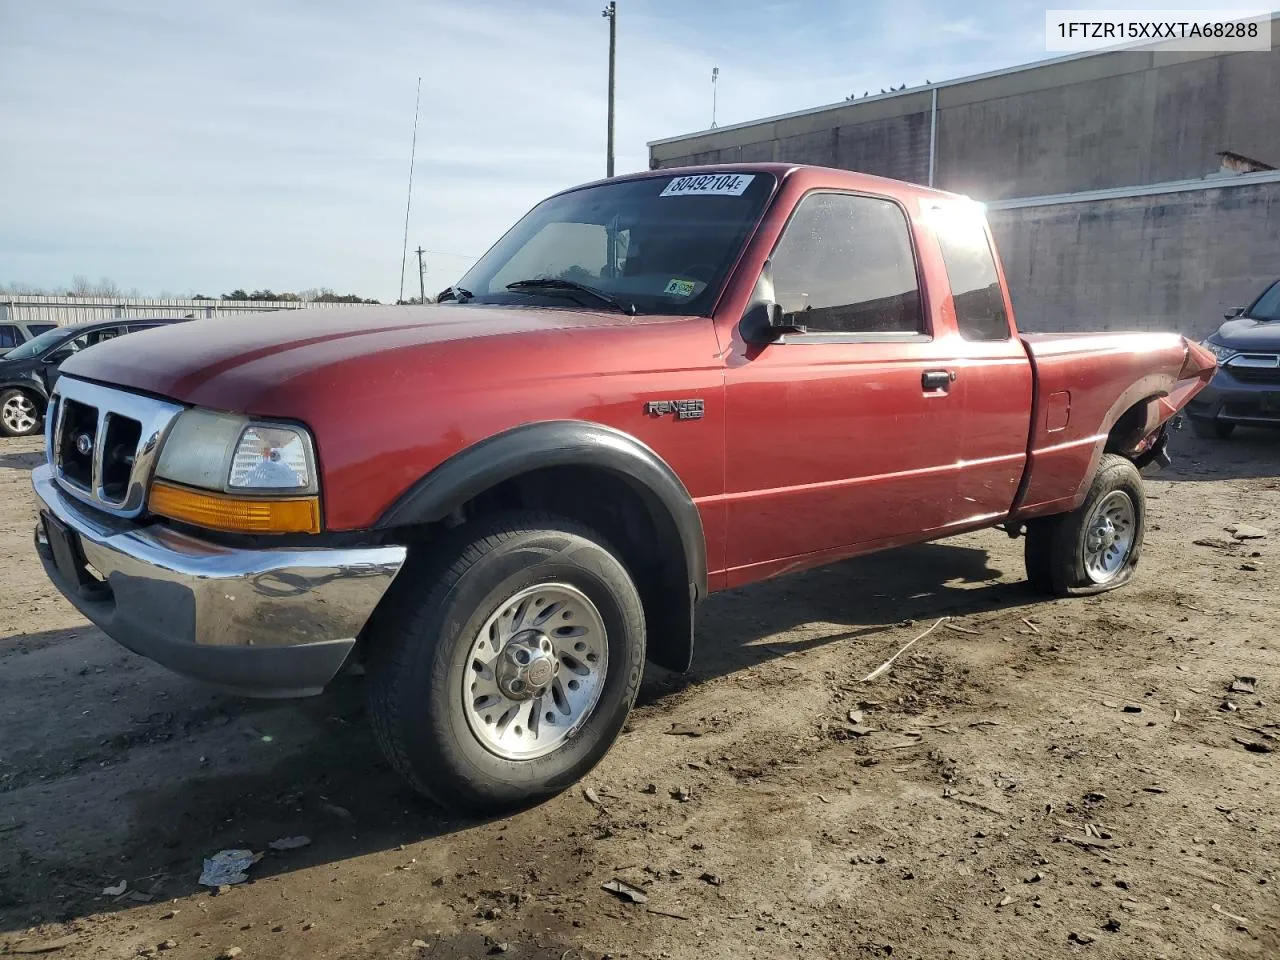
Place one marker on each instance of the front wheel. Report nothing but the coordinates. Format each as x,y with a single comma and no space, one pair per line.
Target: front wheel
19,415
507,661
1097,546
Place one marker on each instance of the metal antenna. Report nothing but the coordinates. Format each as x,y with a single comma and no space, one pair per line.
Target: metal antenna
715,75
413,150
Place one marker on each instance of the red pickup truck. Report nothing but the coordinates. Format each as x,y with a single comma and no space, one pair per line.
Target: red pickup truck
650,388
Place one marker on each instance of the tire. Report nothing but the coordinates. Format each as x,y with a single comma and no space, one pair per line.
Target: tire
1211,429
1074,554
430,702
20,414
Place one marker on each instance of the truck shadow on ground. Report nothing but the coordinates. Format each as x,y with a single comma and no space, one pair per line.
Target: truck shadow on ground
847,601
330,783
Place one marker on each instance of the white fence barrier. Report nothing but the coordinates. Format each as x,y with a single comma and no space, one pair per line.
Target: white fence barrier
68,310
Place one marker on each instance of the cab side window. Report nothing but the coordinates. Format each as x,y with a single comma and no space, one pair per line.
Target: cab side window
845,265
971,271
9,336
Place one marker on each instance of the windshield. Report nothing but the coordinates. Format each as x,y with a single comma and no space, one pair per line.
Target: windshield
660,244
1266,307
37,345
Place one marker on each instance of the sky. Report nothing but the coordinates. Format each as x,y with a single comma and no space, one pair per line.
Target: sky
200,146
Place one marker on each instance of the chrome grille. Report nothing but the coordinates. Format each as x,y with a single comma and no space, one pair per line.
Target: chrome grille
102,443
1255,367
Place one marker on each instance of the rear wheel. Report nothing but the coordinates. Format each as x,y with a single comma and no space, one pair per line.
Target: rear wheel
1097,546
507,661
1211,429
19,415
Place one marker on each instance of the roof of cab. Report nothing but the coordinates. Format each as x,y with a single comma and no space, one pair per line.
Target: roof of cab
815,175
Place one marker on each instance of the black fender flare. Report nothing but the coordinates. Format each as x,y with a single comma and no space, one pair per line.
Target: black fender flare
569,443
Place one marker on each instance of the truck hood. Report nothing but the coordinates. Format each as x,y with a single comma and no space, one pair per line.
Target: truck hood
1245,333
246,363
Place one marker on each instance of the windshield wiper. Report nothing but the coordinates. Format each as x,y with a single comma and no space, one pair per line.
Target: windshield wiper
556,285
454,293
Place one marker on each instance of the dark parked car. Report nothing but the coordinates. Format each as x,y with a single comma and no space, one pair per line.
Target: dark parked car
1246,388
19,332
29,371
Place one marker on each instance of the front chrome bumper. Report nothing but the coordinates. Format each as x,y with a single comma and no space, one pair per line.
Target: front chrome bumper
268,623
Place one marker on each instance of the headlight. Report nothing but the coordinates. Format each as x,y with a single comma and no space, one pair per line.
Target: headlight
227,471
272,458
1218,350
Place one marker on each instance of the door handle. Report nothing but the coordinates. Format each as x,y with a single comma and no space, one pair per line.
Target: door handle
937,381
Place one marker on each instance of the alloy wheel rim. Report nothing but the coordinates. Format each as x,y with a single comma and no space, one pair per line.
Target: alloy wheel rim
1109,536
535,671
19,414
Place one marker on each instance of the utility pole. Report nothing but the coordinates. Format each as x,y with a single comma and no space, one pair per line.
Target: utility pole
610,13
715,75
422,293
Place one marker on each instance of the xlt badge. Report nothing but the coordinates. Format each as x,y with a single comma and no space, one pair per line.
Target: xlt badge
683,409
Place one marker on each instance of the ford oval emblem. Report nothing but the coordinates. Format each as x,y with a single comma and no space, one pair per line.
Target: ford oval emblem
84,444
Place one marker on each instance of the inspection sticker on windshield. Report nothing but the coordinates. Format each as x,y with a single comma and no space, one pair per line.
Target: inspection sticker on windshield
709,185
681,288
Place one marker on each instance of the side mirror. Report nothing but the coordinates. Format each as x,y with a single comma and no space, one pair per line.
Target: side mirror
764,320
1233,313
59,356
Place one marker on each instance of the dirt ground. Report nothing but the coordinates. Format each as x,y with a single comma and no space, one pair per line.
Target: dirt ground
1032,779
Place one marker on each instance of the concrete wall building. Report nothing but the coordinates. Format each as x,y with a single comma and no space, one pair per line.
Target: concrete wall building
1128,189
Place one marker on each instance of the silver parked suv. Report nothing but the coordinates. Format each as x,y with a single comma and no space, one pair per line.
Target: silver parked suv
18,332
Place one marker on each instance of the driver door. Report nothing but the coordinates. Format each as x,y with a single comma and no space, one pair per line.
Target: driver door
847,434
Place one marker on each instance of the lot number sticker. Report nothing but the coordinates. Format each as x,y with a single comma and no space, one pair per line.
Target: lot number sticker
709,185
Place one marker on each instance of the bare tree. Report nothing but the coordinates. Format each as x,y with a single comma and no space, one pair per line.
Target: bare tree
18,289
81,286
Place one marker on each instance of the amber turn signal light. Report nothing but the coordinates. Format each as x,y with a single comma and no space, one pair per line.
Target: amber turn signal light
215,511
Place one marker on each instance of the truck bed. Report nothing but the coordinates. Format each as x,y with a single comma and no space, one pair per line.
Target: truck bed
1095,391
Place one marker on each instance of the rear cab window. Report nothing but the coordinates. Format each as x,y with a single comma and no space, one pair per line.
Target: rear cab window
961,231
